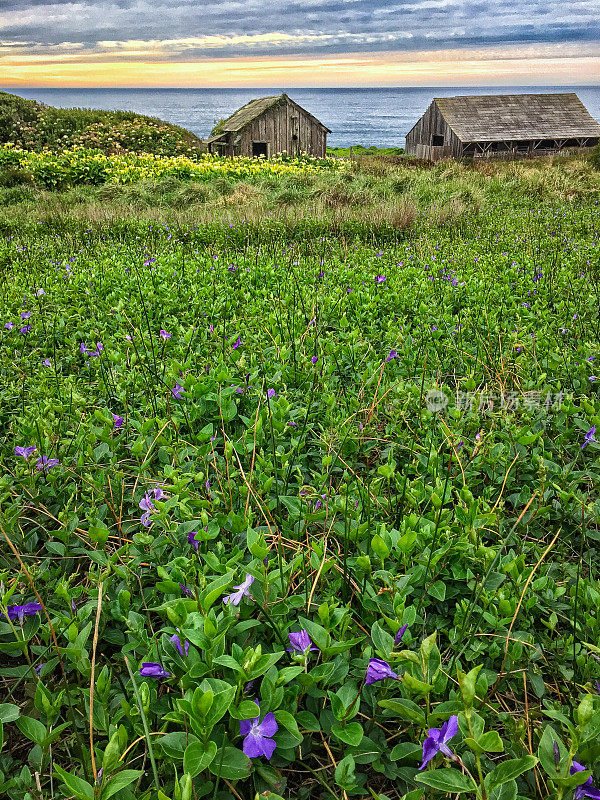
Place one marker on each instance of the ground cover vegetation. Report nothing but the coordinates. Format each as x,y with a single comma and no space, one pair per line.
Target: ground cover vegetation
302,505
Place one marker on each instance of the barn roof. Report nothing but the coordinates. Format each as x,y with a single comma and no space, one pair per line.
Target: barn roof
254,109
498,117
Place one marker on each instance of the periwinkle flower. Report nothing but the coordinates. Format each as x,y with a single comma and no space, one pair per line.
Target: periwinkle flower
301,643
380,279
589,437
437,739
25,329
191,537
25,452
117,420
392,354
45,464
151,669
235,598
177,642
20,612
237,343
40,293
400,634
25,314
258,741
9,325
585,789
379,670
271,393
83,348
314,359
46,362
40,667
185,590
164,335
176,391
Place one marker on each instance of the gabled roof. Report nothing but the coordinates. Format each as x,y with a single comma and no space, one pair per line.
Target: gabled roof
254,109
496,117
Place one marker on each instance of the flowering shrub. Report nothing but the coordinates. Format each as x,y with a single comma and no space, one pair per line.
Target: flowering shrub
299,517
85,166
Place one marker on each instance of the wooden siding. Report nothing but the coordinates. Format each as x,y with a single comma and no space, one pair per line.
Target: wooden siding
419,140
276,127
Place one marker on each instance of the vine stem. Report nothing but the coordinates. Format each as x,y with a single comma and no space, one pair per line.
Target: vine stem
144,723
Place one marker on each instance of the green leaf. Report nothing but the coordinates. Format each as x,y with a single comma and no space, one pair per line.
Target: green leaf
383,641
120,781
214,590
447,780
509,770
8,712
288,721
308,721
80,788
198,756
350,733
406,710
437,590
415,685
32,729
174,744
506,791
221,702
231,764
345,776
546,752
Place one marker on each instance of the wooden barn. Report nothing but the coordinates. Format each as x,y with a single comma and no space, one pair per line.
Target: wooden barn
268,126
497,125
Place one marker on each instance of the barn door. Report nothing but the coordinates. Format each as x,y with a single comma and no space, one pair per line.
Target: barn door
295,135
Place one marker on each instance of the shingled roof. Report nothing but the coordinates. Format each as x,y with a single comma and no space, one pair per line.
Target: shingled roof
251,111
500,117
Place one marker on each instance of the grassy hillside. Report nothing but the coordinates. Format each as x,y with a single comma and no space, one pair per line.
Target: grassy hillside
35,126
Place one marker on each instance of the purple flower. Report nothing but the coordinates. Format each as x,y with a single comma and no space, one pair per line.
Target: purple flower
271,393
314,359
44,463
46,362
585,789
25,314
242,591
176,391
380,279
40,293
185,590
164,335
9,325
150,669
177,642
437,739
237,343
301,643
379,670
258,741
400,634
589,436
25,329
19,612
118,421
25,452
191,537
593,378
393,354
39,667
83,348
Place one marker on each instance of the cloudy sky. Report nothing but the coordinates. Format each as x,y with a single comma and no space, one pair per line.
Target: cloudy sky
298,42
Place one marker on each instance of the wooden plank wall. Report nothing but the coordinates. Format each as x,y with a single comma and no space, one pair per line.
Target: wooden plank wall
432,123
275,128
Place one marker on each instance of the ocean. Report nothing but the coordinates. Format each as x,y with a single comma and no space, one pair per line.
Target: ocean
380,117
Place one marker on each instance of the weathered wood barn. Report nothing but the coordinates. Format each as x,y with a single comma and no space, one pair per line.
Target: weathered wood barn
484,126
268,126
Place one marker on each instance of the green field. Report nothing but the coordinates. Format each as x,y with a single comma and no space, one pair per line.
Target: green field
365,396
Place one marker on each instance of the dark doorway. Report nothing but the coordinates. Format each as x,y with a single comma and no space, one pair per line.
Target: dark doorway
259,149
437,141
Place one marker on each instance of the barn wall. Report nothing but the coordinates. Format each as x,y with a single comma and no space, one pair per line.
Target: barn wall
432,123
276,127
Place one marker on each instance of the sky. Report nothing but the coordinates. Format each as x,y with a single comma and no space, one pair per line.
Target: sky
212,43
